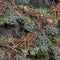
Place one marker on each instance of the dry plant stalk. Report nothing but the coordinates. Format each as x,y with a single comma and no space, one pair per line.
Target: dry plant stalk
27,38
24,43
3,6
55,10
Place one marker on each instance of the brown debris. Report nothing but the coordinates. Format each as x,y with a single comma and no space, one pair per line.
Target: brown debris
3,6
55,10
37,14
24,42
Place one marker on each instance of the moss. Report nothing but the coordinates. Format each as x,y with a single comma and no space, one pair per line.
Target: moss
52,41
58,23
40,54
1,17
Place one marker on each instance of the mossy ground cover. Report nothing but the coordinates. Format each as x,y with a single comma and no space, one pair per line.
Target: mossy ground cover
1,17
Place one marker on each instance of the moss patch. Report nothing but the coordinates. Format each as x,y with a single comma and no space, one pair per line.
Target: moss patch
58,23
40,54
1,17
